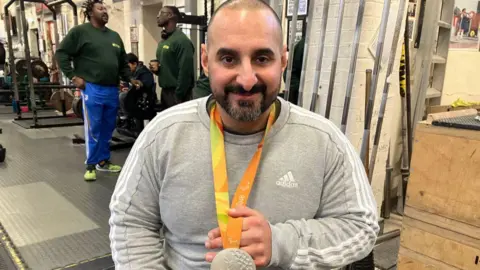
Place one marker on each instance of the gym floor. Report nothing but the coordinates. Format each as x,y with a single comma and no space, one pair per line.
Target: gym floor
50,218
53,218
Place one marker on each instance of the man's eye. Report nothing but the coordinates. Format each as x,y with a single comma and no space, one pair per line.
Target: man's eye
227,59
263,59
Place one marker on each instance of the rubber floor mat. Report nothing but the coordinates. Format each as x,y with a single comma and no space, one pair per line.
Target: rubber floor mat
53,216
386,254
463,122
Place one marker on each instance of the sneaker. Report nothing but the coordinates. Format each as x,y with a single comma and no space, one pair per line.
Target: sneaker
90,174
108,167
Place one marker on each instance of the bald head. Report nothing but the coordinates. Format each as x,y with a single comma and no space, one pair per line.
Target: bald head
244,6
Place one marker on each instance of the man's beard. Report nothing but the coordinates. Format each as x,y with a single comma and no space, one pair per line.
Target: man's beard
245,110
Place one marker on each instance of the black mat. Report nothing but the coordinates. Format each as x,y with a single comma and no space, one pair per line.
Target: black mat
55,164
48,122
463,122
386,254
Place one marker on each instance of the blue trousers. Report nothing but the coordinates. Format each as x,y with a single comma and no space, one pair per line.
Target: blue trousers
100,106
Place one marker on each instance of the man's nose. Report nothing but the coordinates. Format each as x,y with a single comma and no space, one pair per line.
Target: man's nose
247,76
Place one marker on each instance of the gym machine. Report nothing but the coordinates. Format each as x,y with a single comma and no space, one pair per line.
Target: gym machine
29,69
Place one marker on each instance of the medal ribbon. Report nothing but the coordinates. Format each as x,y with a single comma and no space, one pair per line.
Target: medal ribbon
231,228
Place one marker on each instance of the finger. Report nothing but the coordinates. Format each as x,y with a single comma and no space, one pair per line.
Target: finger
242,211
214,243
210,256
214,233
257,254
250,237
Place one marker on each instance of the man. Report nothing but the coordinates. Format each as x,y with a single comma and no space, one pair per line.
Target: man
309,203
141,73
175,56
202,87
296,71
99,61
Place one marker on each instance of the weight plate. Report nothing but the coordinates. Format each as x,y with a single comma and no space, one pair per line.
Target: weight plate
56,100
21,67
39,69
77,106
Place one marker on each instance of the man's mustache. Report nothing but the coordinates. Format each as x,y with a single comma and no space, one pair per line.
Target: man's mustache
238,89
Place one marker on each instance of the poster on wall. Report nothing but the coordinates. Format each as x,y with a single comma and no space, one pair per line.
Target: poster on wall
298,33
465,25
302,8
411,13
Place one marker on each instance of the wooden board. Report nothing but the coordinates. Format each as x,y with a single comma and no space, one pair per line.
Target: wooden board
409,260
445,174
447,108
431,243
441,225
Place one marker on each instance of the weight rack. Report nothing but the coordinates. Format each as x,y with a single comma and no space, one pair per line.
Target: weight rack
46,121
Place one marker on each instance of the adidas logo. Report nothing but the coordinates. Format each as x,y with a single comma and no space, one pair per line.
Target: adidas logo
287,181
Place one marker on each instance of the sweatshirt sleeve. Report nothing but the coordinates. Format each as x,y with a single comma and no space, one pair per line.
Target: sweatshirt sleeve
135,221
345,227
124,69
185,74
69,47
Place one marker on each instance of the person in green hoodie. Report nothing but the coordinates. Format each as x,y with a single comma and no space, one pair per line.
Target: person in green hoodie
296,71
99,61
174,54
202,88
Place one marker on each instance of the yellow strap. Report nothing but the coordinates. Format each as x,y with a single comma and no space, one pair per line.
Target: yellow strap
231,228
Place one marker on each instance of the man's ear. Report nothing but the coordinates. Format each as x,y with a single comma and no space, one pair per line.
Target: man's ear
284,58
204,59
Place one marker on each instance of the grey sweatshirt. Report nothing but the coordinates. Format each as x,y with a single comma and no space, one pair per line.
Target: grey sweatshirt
310,185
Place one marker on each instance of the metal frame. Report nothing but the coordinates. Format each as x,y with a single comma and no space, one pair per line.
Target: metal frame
31,88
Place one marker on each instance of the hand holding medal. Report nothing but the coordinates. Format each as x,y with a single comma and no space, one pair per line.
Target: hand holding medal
256,237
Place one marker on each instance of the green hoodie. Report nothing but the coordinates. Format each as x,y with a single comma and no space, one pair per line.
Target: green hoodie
175,55
98,55
296,66
202,89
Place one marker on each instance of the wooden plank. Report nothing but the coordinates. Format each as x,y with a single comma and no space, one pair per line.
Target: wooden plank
409,260
425,127
447,108
439,248
448,233
445,174
444,223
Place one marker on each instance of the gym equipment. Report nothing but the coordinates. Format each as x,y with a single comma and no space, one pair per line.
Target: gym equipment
318,68
140,104
77,106
385,210
35,68
386,88
368,83
60,104
336,48
376,68
291,48
3,153
39,68
353,64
